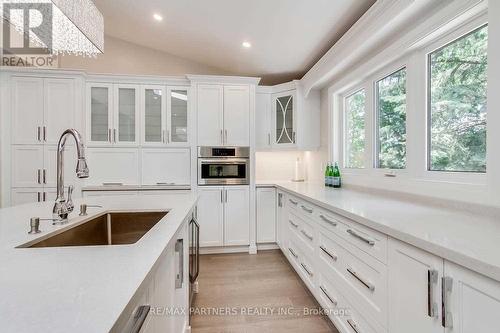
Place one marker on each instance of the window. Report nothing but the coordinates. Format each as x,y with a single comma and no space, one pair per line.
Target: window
391,122
355,130
457,104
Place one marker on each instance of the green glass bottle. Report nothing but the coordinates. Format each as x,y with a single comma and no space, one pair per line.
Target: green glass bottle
330,175
337,181
326,174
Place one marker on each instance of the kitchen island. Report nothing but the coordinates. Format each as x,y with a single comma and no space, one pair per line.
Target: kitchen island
91,288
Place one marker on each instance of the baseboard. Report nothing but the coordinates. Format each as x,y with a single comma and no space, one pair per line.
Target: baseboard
187,329
267,246
224,249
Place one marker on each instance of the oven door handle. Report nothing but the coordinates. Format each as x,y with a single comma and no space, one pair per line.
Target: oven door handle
224,161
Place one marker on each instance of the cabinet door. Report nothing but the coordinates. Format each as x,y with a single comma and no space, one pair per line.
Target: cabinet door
99,114
284,118
49,174
209,107
281,219
22,196
113,165
236,216
154,115
266,215
473,302
414,293
263,121
178,115
166,166
237,115
27,110
211,216
126,120
60,108
27,166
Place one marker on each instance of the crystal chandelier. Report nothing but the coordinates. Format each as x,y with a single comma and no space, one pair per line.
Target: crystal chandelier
77,26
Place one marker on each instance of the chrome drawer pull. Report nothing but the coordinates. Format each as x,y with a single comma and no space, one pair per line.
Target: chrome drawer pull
293,253
138,319
306,269
293,224
432,279
368,285
446,287
358,236
293,202
307,235
353,325
334,257
324,218
334,302
309,210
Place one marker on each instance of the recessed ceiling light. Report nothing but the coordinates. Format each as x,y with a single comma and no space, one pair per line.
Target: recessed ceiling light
246,45
158,17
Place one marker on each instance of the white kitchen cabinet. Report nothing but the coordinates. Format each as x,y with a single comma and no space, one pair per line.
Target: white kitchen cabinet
26,195
284,118
266,215
42,108
472,304
113,166
49,175
113,116
209,108
237,115
166,166
414,289
224,215
263,120
178,120
236,215
211,216
27,166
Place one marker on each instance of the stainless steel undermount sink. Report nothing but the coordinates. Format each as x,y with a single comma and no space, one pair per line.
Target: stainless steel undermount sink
106,229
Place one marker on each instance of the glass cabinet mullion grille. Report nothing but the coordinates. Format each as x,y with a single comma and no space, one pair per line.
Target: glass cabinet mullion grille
284,120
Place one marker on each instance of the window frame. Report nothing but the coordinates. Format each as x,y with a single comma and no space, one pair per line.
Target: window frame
344,97
444,42
376,115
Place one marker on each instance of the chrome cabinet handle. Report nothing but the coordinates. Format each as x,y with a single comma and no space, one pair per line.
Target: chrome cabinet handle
44,196
446,288
432,279
353,325
367,284
309,210
306,269
163,136
109,134
295,225
38,176
221,137
333,256
167,138
39,196
293,253
179,276
327,220
45,133
358,236
38,134
225,136
333,301
138,319
225,195
268,139
114,135
221,196
44,176
280,198
293,202
306,235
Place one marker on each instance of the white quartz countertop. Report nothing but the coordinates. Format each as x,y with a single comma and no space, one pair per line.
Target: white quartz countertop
463,237
77,289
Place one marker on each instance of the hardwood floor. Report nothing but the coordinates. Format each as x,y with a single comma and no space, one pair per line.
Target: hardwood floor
242,293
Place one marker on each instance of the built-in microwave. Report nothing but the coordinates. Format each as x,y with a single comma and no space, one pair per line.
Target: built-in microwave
223,165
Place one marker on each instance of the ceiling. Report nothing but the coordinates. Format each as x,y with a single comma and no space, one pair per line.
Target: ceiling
287,36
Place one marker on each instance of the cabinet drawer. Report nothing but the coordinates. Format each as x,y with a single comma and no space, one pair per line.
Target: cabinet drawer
293,203
368,240
303,231
361,277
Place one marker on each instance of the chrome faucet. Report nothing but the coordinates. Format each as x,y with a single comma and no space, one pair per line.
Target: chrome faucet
63,207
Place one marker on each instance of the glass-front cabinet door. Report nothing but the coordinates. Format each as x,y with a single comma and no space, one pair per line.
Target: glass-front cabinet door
99,113
178,115
284,118
125,130
154,115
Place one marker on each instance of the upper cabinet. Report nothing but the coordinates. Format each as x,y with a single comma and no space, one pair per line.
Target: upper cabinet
286,119
42,108
224,111
112,114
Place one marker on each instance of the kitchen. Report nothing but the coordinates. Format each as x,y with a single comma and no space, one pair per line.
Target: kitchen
323,166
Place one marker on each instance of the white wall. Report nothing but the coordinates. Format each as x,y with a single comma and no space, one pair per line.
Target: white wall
121,57
276,165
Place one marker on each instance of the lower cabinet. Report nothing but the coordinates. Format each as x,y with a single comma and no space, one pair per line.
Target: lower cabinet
224,215
266,215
